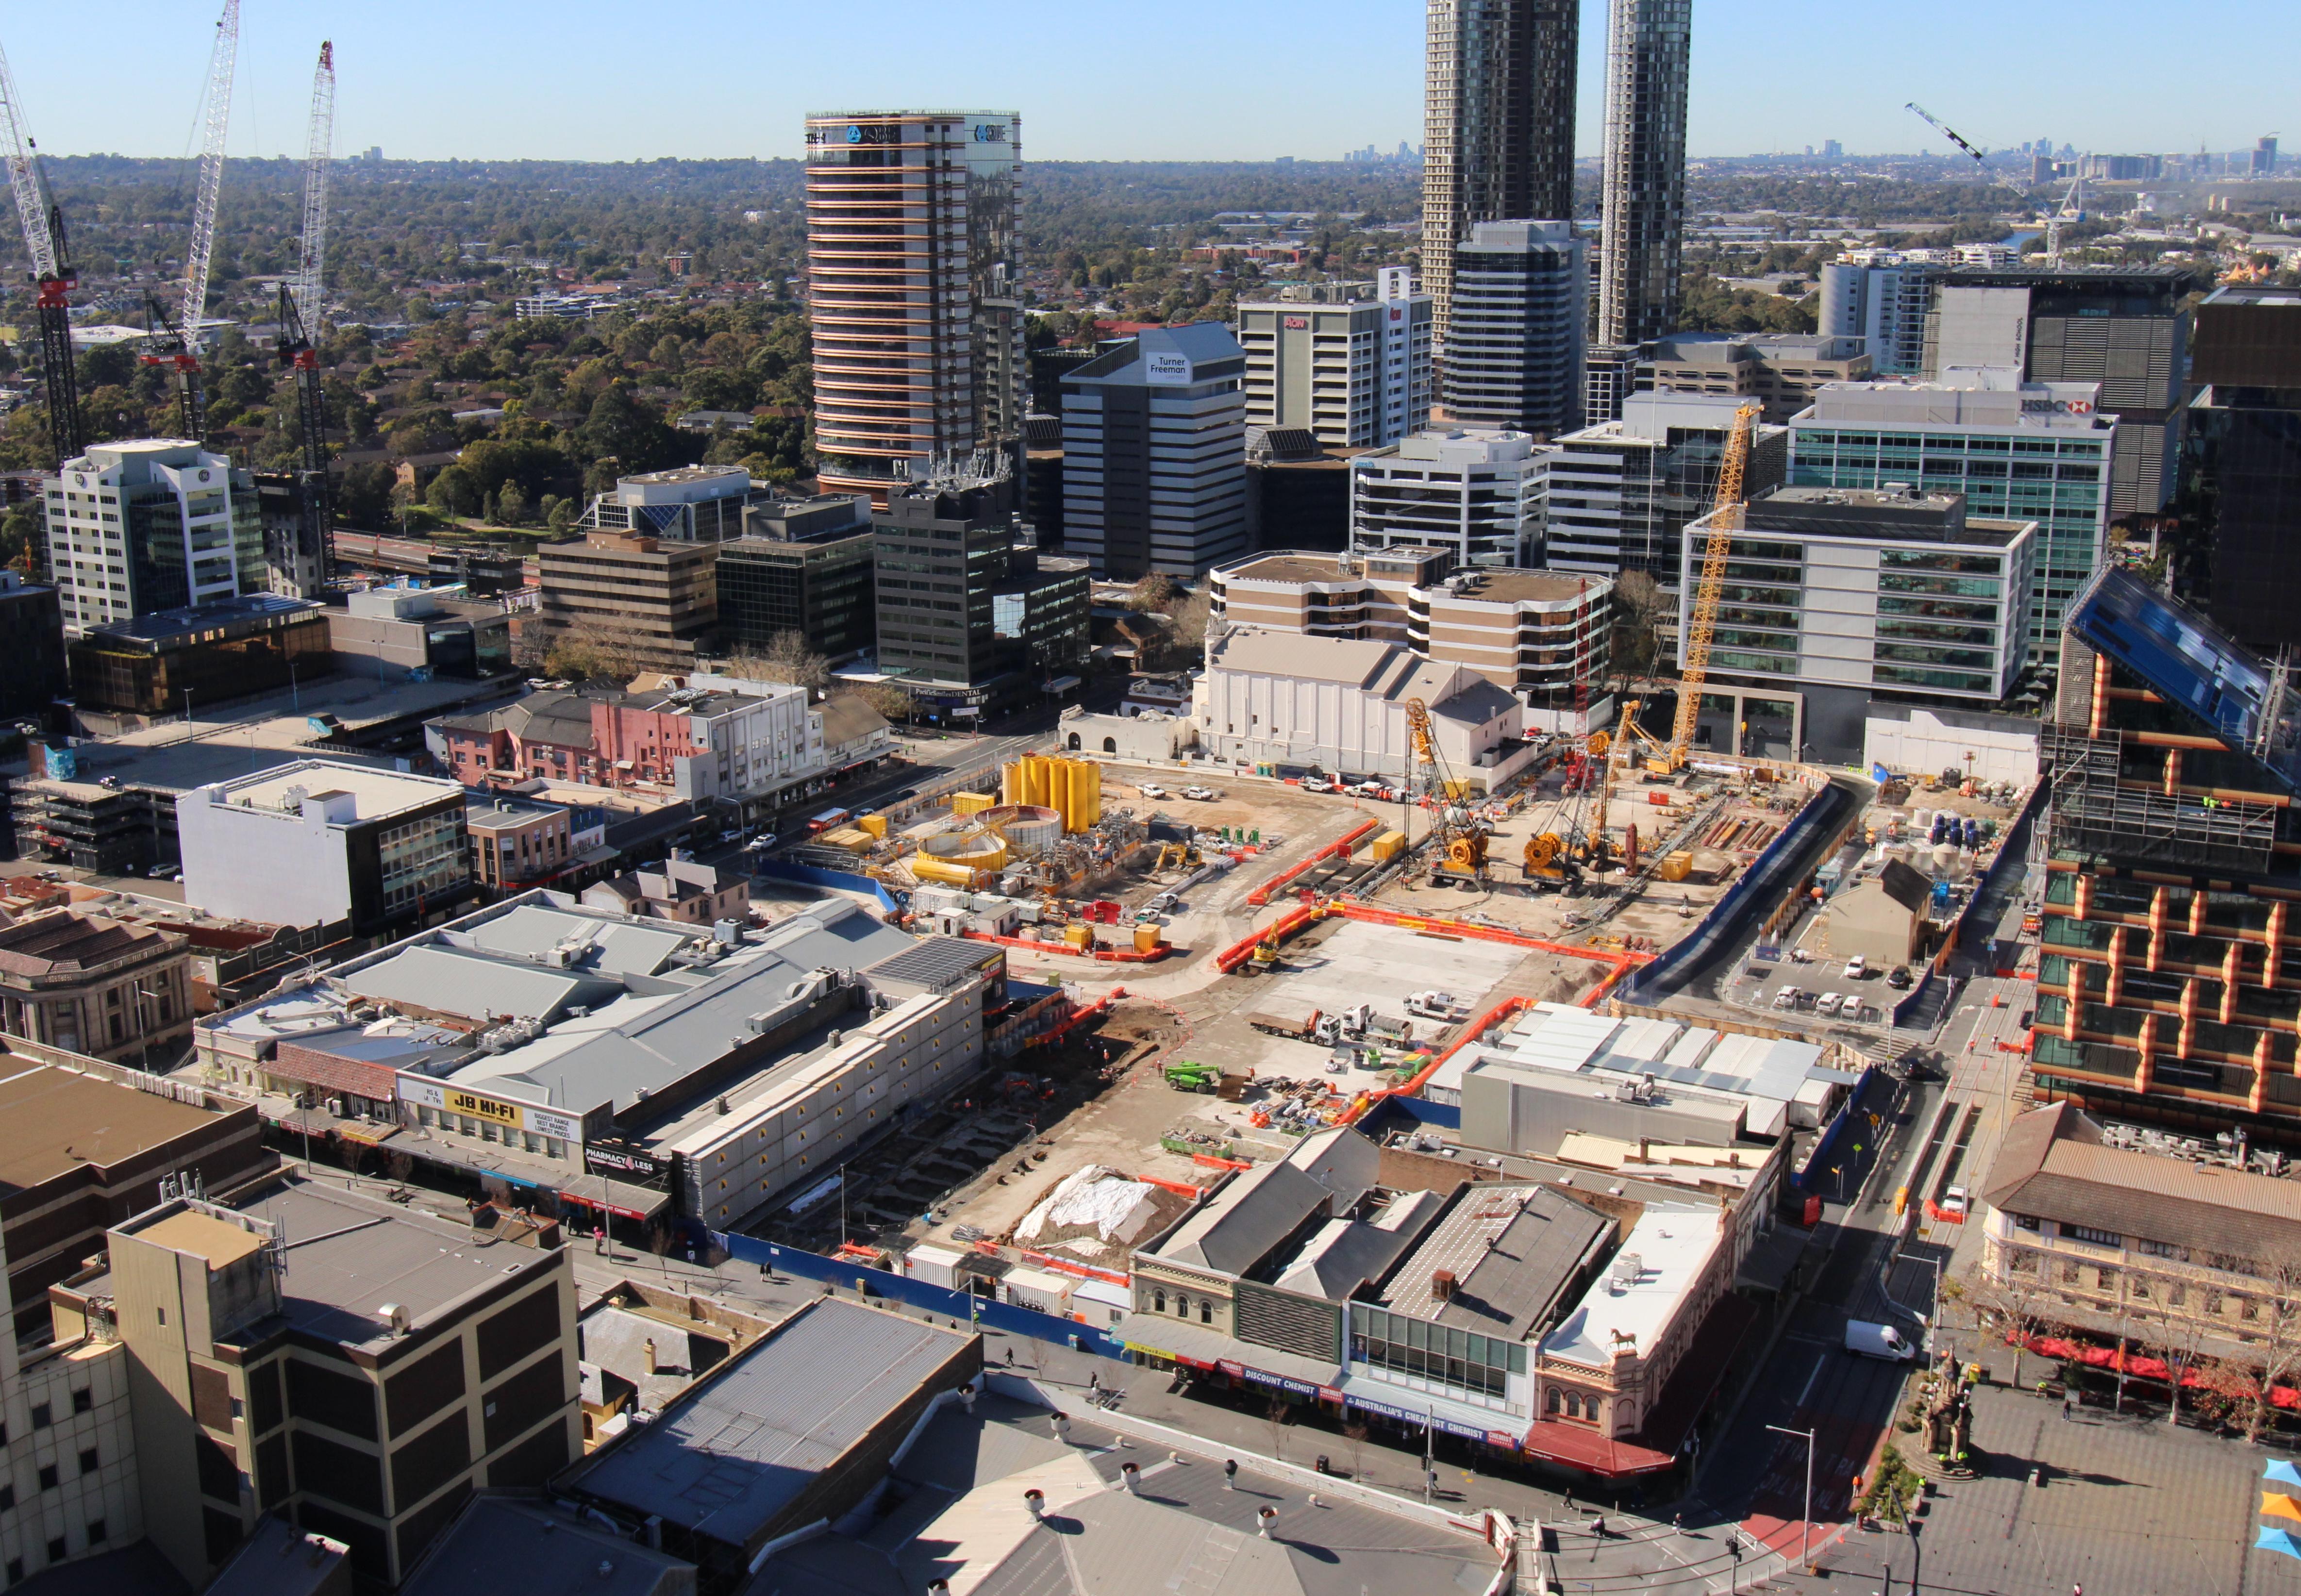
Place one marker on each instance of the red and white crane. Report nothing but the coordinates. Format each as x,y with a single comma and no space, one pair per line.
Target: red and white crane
52,270
191,305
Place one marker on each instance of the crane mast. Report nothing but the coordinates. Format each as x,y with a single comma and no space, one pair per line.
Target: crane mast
43,222
299,331
1693,654
215,114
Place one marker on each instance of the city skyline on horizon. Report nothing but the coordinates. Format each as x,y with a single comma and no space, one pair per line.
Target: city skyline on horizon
1275,86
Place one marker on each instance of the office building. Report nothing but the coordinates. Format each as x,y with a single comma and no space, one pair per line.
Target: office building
688,503
1473,493
1298,493
2169,858
1270,700
1642,193
802,569
1781,370
314,841
516,844
2123,328
411,630
1853,594
1882,298
2017,451
911,285
2245,438
1615,497
32,642
87,983
1154,473
2261,162
1355,374
971,618
296,556
84,1147
151,524
266,1379
1498,125
1610,376
1535,634
1514,353
164,661
653,603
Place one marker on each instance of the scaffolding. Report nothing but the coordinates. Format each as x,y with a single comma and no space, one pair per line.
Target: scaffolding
2097,810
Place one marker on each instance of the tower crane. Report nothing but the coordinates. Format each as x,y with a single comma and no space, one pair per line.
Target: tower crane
52,270
299,332
1693,653
215,114
2071,209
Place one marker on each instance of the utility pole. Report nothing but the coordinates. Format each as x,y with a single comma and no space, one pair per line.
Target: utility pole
1805,1524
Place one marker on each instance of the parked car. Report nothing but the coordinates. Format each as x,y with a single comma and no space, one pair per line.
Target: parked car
1857,968
1152,789
1830,1003
1786,997
1955,1201
1204,795
1899,979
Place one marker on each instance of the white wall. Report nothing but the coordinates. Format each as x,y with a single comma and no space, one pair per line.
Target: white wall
1924,743
263,864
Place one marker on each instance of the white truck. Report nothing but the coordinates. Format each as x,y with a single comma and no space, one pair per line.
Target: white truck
1867,1339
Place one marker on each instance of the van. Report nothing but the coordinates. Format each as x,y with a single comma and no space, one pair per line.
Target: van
1867,1339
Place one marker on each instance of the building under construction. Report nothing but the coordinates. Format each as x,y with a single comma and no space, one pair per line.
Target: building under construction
2166,991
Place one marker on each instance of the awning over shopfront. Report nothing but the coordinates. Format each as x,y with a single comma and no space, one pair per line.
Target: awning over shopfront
1442,1413
1200,1347
1684,1398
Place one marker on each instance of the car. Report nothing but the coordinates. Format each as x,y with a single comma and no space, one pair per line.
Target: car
1829,1004
1857,968
1152,789
1786,997
1899,978
729,836
1955,1202
761,843
161,873
1204,795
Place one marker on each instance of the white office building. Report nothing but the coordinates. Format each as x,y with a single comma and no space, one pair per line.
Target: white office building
2018,451
1615,497
1882,295
1847,593
1471,492
1355,373
152,524
1154,454
1515,351
688,503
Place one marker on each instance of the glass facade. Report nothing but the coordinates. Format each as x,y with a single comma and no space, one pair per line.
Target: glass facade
2061,482
1459,1363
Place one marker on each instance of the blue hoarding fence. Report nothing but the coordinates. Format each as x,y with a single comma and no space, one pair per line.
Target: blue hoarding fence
815,876
1826,1152
1004,1316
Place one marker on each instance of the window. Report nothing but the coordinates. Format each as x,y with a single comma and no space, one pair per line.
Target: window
2030,1221
47,1476
1181,1306
1159,1301
96,1532
1207,1311
83,1399
2099,1237
57,1549
89,1462
41,1416
7,1496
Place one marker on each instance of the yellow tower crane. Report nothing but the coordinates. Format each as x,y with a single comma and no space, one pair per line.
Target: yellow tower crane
1694,651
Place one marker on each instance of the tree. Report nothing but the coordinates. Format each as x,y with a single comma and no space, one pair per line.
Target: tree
892,700
593,651
2278,1349
2180,1339
18,529
2015,1305
1639,607
511,505
453,492
786,658
1154,592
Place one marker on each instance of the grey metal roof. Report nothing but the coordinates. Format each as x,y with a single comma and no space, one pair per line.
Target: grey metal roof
474,986
835,936
1126,1546
1246,1219
612,947
1513,1251
499,1543
933,963
744,1444
1345,1253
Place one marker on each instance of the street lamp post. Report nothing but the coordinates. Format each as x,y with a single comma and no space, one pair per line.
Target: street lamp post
1805,1524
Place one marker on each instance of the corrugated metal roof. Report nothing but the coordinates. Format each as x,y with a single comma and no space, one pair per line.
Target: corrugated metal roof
746,1442
473,986
1248,1217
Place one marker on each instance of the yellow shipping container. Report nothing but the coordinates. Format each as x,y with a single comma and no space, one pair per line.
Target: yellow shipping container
1147,938
1387,846
1079,936
964,803
876,824
1675,867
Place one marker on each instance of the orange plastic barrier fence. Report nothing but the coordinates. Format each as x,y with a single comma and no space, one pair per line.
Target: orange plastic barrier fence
1350,840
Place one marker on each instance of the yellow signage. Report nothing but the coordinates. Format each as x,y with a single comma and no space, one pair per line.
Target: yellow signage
480,1108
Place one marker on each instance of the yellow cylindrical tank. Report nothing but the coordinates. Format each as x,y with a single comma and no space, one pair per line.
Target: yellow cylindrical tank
1147,938
926,867
1087,794
876,824
1387,846
977,849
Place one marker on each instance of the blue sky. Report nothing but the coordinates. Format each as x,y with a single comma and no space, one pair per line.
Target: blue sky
1098,79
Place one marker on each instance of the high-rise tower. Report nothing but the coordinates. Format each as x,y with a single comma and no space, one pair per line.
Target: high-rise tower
911,272
1497,123
1643,191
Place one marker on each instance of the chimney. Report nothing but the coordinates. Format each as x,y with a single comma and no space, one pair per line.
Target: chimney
647,1352
1442,1284
1644,1144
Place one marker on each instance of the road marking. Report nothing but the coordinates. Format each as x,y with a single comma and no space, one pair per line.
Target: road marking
1809,1379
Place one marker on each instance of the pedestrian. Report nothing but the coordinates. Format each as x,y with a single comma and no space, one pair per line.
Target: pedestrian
1598,1527
1010,1358
2065,1408
1094,1380
1678,1523
1570,1498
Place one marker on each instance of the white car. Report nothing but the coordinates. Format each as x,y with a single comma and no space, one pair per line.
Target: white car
1786,997
1857,968
1204,795
1152,789
1955,1201
1829,1004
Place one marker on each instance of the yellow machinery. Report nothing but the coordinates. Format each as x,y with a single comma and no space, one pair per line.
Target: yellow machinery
1266,952
1694,650
1545,857
1604,749
1175,855
1461,846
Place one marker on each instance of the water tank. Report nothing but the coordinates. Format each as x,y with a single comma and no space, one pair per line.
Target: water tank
974,847
1030,828
1951,863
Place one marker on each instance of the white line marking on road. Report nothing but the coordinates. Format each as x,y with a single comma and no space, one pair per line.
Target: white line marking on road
1809,1379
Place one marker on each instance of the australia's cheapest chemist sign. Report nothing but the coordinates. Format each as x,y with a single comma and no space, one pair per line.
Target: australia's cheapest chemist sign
447,1101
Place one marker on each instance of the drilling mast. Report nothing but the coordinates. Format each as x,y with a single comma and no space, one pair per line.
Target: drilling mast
299,332
52,270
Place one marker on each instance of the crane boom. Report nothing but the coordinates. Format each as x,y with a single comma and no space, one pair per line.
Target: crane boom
319,144
43,241
1693,652
1948,132
215,111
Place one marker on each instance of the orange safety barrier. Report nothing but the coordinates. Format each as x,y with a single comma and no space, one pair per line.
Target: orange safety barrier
1355,910
1211,1162
1066,1266
1109,955
1177,1187
1337,849
1284,927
